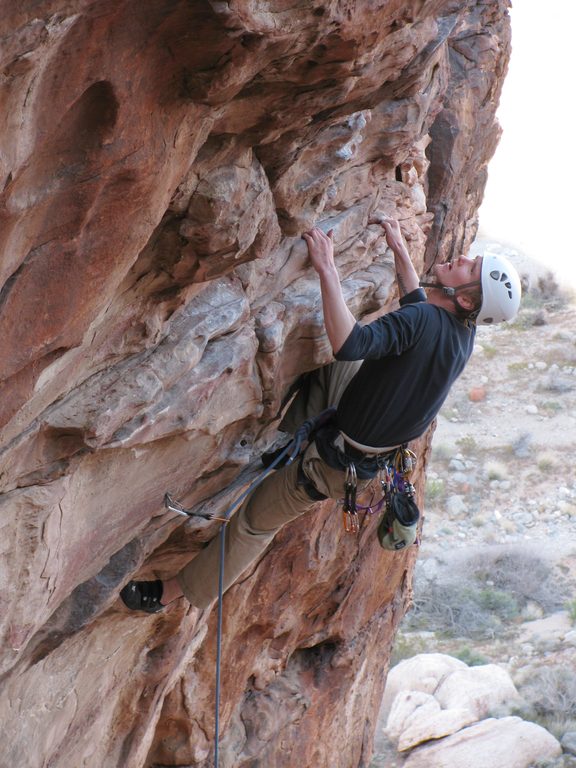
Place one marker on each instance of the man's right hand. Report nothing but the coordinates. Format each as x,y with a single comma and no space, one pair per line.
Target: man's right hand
320,249
338,319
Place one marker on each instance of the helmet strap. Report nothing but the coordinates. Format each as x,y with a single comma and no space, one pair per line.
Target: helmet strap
452,293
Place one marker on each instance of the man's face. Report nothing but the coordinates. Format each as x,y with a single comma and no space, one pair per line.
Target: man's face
459,271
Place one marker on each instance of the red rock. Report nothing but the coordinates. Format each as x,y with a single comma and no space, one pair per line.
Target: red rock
477,394
158,163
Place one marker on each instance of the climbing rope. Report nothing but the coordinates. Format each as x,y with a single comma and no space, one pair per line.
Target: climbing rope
237,503
292,450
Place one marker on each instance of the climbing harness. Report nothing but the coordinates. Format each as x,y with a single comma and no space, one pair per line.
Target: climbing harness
398,527
396,530
292,450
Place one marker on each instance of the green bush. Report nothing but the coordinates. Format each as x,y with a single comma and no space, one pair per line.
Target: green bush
435,490
467,444
523,575
405,646
489,350
488,595
550,696
571,608
503,604
461,609
471,657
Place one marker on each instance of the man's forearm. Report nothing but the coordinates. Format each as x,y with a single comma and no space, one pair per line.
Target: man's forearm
406,275
338,320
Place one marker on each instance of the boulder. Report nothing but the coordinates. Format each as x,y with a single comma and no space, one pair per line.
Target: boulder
416,717
509,742
480,690
423,672
550,630
436,695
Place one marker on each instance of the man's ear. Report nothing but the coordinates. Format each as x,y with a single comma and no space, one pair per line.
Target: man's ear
466,301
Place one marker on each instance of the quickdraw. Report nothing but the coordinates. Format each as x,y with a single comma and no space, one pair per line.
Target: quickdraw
349,506
394,478
398,527
397,474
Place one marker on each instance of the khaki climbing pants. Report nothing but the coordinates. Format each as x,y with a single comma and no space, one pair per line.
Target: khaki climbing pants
277,501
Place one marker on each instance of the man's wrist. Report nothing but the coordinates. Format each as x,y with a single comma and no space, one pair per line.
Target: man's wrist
329,274
401,252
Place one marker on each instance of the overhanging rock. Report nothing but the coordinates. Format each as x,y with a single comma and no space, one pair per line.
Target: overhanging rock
158,164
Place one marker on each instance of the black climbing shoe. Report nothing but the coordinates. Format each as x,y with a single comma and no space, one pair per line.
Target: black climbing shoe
270,456
143,596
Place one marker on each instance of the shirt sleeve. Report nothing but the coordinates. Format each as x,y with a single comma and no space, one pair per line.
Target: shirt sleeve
391,334
418,294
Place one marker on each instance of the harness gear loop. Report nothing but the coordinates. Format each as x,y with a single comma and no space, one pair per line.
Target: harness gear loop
397,527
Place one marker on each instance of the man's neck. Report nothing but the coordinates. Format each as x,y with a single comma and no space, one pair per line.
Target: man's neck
438,298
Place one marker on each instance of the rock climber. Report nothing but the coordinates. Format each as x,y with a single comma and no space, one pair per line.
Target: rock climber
388,382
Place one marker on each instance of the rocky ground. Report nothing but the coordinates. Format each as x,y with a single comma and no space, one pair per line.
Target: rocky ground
500,512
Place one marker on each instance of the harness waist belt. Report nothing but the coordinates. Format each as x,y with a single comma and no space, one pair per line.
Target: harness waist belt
367,449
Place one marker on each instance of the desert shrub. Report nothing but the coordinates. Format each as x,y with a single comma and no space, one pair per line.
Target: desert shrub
441,452
552,691
549,291
467,444
503,604
523,575
547,461
461,609
495,470
552,407
486,595
545,293
406,646
550,696
471,657
489,350
571,608
435,490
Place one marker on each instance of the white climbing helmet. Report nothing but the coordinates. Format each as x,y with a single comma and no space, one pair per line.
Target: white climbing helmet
501,290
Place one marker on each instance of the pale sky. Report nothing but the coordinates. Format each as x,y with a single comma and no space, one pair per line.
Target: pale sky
529,200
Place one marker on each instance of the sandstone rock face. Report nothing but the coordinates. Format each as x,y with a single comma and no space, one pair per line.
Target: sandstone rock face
158,163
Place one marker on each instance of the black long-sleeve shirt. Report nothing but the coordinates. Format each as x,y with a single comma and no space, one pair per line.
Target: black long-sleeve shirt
412,356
